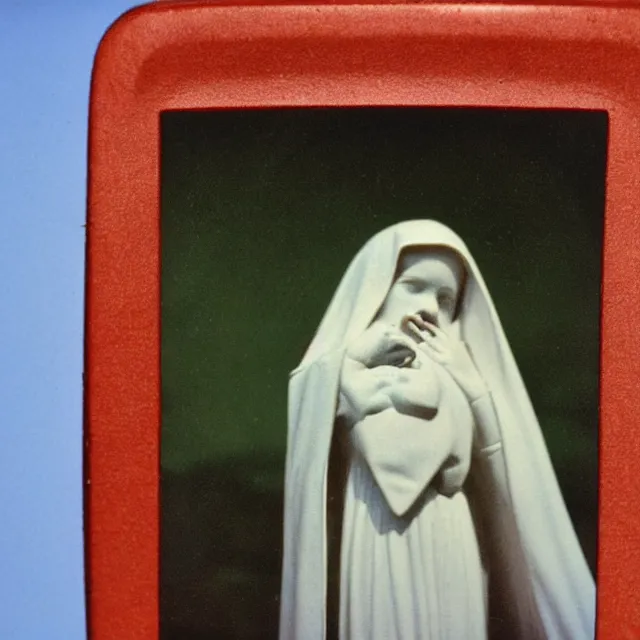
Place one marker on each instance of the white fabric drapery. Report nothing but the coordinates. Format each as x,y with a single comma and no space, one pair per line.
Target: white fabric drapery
563,586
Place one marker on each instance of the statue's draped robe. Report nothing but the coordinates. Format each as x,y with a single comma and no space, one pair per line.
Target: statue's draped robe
410,560
534,524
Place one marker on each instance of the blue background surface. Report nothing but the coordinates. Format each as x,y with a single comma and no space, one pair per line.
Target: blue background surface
46,54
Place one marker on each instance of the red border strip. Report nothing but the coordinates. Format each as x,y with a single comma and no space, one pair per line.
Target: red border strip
197,56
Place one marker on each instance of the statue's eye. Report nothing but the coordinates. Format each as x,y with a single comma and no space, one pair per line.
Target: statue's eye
446,301
412,285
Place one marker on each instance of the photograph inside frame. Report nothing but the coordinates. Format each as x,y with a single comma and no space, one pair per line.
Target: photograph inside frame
395,314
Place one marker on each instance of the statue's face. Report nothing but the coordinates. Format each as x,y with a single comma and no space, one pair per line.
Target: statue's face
429,283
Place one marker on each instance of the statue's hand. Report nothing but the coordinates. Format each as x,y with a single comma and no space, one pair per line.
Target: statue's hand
452,353
382,345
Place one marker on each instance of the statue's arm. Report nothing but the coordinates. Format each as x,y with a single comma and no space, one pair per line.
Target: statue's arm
489,466
487,434
368,391
363,391
513,609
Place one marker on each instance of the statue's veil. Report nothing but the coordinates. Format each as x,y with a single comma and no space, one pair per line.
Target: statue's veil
564,588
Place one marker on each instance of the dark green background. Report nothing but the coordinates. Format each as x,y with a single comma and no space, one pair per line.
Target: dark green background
261,213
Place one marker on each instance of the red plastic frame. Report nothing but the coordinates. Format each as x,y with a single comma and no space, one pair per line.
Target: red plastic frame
198,56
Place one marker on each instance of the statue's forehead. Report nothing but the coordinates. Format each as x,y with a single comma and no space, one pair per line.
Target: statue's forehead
415,255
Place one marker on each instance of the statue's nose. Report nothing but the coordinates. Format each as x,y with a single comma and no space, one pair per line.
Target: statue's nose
429,310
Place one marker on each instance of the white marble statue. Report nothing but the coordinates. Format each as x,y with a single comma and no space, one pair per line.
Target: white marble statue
453,526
